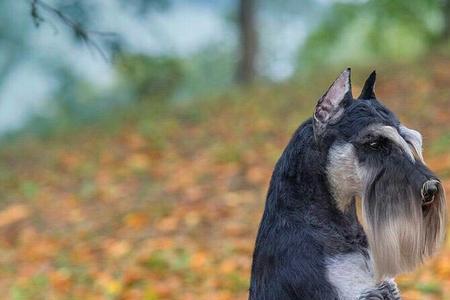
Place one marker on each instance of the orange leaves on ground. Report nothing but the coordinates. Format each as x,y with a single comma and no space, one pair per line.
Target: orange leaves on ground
13,213
136,220
168,207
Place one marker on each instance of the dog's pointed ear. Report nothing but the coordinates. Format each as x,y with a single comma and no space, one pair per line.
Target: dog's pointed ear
367,91
331,105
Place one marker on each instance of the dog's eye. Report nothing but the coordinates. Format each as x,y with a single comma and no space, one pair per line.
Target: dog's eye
374,143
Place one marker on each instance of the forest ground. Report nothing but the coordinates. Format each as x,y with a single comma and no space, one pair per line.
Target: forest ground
163,202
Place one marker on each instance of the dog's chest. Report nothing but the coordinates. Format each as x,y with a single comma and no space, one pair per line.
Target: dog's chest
350,274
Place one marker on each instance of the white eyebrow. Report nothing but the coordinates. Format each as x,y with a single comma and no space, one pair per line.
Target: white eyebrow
392,134
414,138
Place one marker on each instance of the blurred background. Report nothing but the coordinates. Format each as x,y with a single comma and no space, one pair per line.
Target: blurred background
137,138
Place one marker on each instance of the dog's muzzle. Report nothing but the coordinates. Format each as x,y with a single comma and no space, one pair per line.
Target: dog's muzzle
429,191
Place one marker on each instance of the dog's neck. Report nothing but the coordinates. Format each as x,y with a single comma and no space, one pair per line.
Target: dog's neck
300,187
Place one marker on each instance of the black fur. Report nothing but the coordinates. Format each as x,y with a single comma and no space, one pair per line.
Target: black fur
301,224
367,91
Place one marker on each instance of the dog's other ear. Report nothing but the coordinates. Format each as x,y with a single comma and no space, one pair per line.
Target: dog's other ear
367,91
332,104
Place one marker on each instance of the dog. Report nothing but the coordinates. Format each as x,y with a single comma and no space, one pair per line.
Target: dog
351,204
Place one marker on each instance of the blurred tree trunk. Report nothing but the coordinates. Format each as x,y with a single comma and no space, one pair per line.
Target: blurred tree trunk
246,70
446,11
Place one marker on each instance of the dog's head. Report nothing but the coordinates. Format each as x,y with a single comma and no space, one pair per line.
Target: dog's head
373,157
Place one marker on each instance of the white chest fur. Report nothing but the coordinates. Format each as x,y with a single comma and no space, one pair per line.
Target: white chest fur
350,274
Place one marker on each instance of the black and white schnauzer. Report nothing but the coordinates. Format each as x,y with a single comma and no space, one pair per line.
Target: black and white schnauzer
351,204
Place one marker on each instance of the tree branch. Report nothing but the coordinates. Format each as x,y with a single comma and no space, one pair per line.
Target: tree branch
79,31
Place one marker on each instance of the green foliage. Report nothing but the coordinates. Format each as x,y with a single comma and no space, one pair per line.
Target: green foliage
29,189
442,144
211,70
157,262
236,283
373,30
148,77
73,95
429,288
33,288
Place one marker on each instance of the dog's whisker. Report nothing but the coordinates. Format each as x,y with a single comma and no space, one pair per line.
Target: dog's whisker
351,204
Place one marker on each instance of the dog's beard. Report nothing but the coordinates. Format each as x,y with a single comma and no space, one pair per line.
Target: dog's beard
400,231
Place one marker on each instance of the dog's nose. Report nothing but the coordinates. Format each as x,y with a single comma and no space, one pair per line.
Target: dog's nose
429,191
